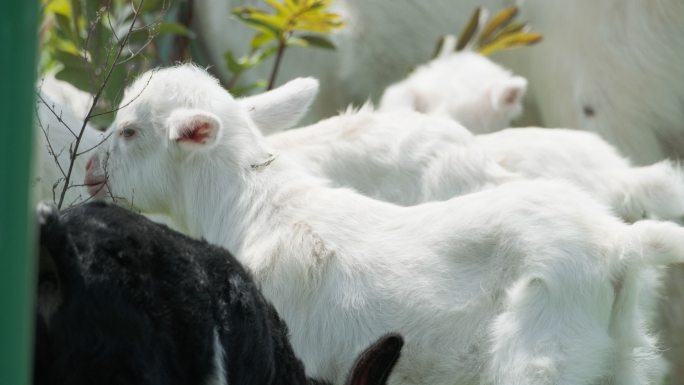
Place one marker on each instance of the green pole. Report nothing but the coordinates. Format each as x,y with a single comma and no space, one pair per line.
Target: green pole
18,33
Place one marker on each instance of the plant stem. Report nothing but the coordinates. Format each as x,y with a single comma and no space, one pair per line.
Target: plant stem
74,151
279,56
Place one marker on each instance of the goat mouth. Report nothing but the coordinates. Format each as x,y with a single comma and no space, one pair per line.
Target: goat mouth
97,187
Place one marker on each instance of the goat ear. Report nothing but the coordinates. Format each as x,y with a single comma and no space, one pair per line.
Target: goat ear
509,93
194,129
283,107
58,272
375,364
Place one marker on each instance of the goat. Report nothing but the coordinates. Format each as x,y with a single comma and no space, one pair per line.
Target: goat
125,301
526,282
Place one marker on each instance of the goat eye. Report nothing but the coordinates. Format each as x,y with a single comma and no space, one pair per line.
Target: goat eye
128,132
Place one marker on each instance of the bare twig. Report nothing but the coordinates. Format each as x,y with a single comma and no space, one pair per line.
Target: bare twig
74,151
51,151
130,101
95,146
58,116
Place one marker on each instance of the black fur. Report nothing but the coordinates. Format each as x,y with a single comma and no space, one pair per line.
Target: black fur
135,303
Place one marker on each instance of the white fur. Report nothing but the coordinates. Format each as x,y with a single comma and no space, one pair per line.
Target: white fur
409,158
622,58
66,95
287,104
382,41
654,191
464,86
524,283
48,180
219,376
402,157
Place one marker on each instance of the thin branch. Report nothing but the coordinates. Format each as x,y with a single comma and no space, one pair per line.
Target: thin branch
130,101
58,116
111,27
96,97
51,151
134,54
95,146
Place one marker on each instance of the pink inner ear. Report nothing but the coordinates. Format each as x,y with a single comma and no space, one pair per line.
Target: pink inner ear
196,132
511,95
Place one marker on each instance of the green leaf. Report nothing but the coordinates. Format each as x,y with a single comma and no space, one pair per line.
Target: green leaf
140,36
150,6
296,41
75,13
169,27
243,90
77,78
318,41
70,60
91,8
261,55
113,89
64,25
233,65
469,31
261,39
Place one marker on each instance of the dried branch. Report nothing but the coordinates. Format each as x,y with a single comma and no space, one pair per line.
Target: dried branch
58,116
95,146
130,101
51,151
74,151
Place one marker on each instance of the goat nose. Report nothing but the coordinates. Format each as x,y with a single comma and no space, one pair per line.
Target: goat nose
92,162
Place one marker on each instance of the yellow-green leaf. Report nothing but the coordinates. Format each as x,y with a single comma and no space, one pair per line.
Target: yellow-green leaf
469,31
511,28
246,14
510,41
500,20
278,6
59,7
262,38
438,46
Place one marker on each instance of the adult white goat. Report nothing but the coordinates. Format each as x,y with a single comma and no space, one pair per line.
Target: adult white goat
526,283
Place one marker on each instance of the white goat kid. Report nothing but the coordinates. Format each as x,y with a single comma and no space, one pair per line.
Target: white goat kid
588,161
401,157
529,282
464,86
409,158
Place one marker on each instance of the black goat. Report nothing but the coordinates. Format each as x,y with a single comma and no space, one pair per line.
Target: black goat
124,301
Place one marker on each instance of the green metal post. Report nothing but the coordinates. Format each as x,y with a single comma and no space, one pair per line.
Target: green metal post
18,33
